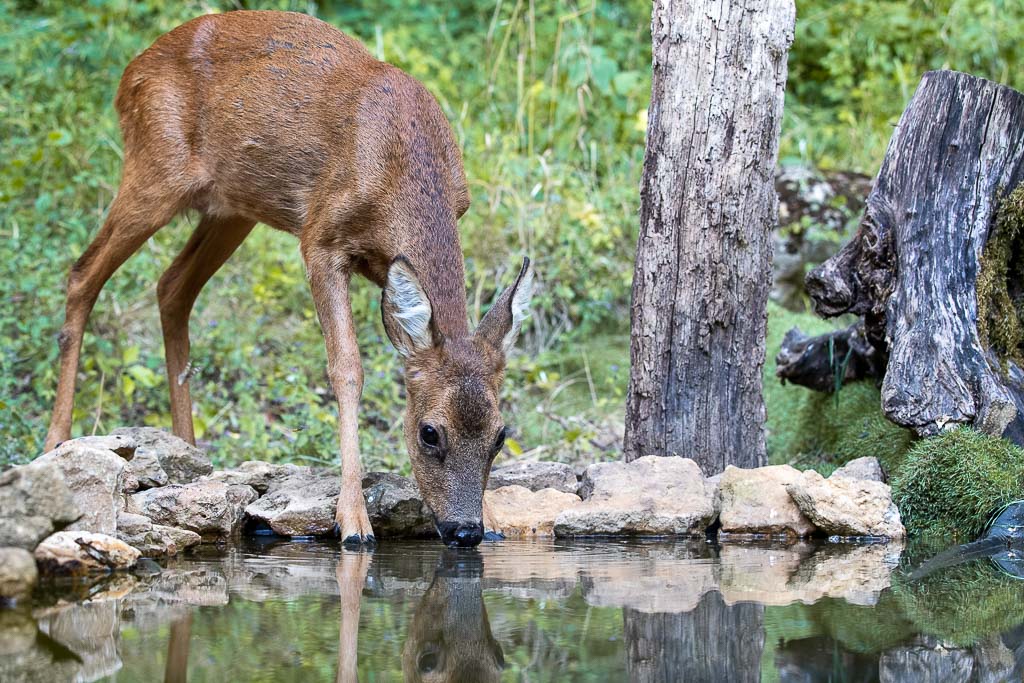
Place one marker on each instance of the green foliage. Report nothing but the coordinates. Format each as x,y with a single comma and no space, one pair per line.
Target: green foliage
810,429
950,485
855,64
1000,310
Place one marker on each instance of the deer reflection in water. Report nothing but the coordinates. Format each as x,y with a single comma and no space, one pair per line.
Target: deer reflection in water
449,637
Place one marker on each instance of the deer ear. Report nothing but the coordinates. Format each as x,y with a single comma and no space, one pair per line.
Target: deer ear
500,327
406,310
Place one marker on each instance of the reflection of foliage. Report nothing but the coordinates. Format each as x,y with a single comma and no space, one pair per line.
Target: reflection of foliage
963,604
865,629
951,484
812,429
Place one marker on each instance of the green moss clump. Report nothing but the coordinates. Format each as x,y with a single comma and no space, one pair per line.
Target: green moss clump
810,429
951,484
1000,294
962,604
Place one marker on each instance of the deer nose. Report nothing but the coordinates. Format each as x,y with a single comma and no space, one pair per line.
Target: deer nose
461,534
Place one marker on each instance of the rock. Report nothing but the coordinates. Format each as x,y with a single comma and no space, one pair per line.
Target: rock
396,508
183,462
211,509
82,552
651,495
847,507
17,574
299,505
94,476
755,502
145,469
153,540
35,501
925,659
535,476
258,474
121,444
27,655
518,511
860,468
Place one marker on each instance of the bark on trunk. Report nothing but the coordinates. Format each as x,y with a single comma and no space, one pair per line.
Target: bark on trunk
708,205
828,361
911,269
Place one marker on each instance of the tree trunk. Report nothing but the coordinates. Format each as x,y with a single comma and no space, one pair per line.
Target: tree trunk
714,642
911,269
708,204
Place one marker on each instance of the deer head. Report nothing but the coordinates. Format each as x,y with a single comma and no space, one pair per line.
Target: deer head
453,429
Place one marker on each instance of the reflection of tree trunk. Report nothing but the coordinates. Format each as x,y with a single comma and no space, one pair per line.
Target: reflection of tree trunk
714,642
708,205
177,650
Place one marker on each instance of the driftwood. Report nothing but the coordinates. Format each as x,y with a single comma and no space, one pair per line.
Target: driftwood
911,269
826,362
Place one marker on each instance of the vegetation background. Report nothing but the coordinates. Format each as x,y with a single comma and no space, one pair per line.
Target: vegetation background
548,101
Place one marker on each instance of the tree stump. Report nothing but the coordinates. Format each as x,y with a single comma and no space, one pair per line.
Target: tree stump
911,270
826,362
708,205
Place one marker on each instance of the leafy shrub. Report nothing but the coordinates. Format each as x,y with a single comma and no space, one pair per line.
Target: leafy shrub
950,485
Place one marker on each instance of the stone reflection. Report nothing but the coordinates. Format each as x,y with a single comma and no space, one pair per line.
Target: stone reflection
450,638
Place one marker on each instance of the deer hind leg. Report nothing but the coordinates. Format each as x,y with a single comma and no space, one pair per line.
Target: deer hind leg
209,247
136,213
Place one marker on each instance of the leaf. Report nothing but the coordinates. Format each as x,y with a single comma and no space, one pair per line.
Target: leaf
514,447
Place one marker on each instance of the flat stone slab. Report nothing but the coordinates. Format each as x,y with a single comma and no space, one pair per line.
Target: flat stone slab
518,511
755,502
535,475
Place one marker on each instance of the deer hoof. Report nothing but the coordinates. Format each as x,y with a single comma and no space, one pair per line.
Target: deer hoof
354,539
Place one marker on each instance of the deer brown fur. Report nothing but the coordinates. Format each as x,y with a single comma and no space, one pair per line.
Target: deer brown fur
279,118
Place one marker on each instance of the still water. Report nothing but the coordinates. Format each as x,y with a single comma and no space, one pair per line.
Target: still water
532,611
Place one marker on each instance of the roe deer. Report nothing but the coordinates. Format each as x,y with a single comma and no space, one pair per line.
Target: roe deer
279,118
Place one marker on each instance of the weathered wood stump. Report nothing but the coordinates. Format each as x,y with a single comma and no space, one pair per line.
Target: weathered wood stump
912,268
826,362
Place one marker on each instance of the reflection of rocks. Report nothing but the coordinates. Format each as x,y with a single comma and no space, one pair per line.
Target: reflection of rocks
182,462
841,506
94,477
17,574
670,579
755,501
651,495
28,655
209,508
518,511
35,501
535,475
82,552
926,660
857,574
90,630
757,574
153,540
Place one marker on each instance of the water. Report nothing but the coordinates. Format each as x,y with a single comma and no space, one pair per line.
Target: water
517,611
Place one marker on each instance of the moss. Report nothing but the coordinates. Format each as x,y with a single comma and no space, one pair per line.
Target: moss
962,604
999,285
950,485
810,429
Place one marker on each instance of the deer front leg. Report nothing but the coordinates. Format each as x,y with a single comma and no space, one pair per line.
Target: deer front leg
330,288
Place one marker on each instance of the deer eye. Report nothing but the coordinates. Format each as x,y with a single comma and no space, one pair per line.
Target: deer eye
500,441
429,436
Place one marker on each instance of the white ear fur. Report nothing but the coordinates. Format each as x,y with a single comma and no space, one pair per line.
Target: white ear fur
407,307
520,309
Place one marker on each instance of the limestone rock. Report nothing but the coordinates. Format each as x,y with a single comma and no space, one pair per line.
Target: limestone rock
847,507
535,475
755,502
860,468
299,505
651,495
82,552
211,509
145,469
183,462
153,540
123,445
34,502
17,574
258,474
94,476
518,511
396,508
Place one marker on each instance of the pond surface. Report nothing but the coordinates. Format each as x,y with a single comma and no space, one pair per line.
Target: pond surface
531,611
